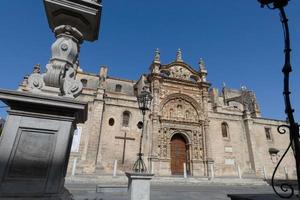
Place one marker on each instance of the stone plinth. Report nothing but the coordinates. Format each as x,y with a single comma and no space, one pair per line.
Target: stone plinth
35,145
139,185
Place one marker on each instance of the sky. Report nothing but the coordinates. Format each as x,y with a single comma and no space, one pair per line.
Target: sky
241,43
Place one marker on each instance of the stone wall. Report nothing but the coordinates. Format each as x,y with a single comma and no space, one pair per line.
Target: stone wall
246,146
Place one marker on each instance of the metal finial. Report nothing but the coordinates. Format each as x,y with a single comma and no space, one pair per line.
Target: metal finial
179,56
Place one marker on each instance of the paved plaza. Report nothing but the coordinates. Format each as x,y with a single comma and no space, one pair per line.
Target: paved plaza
194,191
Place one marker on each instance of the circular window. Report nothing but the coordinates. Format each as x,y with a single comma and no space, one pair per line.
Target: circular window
111,121
140,125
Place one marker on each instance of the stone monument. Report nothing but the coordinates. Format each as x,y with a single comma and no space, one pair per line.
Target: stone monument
36,140
139,185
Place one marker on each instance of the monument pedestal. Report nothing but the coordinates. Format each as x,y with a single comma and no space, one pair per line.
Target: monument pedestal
139,185
35,145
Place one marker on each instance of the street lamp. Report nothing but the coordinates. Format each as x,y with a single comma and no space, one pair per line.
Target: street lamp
144,101
293,126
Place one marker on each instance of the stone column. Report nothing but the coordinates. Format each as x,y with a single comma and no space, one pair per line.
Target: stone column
139,186
35,145
155,125
208,144
251,144
207,137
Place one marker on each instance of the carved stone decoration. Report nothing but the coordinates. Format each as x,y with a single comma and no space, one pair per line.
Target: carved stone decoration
72,22
180,72
65,51
157,56
202,70
197,145
164,143
71,87
61,70
35,80
180,109
179,56
155,69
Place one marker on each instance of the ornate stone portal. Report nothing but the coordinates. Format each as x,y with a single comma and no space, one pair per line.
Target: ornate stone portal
179,110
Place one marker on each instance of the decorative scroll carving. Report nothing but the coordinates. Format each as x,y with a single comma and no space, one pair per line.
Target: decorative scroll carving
61,70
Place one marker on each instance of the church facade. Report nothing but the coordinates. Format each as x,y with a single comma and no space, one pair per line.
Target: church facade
191,126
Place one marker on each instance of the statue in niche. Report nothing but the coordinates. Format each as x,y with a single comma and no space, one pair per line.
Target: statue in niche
187,114
179,111
196,153
165,151
171,113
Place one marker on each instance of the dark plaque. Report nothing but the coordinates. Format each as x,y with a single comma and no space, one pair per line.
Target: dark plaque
32,155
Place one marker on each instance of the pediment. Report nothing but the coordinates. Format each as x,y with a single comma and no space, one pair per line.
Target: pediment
181,71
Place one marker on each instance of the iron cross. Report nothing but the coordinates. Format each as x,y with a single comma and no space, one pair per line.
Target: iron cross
125,138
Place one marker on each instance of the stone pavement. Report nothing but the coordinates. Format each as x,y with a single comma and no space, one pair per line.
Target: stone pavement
166,188
122,180
172,192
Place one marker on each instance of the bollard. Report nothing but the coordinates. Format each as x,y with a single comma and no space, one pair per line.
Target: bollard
286,173
74,166
212,171
265,172
184,171
115,168
239,171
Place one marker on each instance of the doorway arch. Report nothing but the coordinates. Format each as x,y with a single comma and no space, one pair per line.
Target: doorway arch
179,154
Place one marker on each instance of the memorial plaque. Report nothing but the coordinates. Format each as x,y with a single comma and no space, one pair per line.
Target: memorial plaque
229,161
228,150
32,154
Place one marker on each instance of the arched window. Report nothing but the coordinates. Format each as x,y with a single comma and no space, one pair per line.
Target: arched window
118,88
126,118
224,128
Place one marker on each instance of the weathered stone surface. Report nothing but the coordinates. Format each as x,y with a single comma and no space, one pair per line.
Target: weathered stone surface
35,144
139,186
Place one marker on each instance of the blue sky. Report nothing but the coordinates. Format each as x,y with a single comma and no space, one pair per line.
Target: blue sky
240,42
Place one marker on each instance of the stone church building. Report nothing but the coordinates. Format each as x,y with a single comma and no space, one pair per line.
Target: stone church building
190,123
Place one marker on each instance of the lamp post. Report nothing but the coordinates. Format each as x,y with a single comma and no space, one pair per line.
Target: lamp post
144,100
293,126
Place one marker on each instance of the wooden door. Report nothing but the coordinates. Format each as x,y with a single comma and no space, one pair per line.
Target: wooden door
178,154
